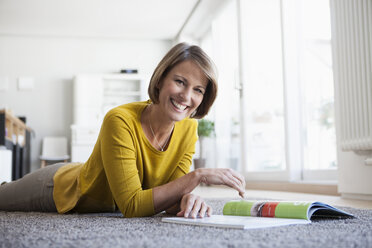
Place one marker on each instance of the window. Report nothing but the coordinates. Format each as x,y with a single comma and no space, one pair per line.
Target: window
263,86
285,119
300,134
317,81
221,44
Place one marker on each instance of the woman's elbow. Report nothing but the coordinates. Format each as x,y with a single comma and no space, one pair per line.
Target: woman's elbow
133,210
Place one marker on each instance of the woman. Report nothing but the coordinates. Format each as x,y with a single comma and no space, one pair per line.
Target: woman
143,154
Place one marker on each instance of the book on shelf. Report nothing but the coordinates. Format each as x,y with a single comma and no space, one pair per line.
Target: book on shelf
244,214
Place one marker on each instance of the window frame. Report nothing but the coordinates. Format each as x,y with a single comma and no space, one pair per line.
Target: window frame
295,170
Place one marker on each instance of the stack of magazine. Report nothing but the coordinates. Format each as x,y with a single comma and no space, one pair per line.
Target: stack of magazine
245,214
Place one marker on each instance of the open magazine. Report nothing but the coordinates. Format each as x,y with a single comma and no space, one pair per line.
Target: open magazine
245,214
283,209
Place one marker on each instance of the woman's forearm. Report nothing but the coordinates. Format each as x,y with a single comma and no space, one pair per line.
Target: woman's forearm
167,195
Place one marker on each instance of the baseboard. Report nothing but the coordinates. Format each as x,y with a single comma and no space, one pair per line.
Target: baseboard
298,187
365,197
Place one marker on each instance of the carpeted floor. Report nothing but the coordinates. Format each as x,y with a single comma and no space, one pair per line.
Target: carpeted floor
19,229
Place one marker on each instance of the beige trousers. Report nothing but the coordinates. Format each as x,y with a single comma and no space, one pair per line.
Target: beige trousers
33,192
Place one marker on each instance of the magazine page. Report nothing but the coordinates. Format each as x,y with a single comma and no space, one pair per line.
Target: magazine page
322,210
238,222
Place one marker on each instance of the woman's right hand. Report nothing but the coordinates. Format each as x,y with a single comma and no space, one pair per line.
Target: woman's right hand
222,176
192,206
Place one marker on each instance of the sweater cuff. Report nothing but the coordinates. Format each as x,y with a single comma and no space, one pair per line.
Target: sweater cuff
147,203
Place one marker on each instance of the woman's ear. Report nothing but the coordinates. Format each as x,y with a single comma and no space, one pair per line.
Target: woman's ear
159,85
157,91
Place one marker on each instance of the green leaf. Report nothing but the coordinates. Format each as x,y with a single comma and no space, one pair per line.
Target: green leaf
205,128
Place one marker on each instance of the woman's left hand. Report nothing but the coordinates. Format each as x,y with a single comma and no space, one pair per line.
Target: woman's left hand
193,206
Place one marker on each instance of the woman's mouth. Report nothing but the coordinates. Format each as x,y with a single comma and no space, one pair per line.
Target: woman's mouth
178,105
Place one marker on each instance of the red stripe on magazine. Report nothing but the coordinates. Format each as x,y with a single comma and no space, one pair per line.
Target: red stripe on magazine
268,209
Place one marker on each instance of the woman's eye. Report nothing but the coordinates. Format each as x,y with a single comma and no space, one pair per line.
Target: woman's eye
179,81
199,91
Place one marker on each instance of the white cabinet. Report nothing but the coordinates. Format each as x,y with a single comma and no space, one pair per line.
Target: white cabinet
5,165
83,140
93,96
87,100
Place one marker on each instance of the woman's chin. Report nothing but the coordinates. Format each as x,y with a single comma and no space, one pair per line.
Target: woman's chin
178,116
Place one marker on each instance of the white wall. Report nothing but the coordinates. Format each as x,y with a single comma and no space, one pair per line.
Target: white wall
351,69
354,179
52,62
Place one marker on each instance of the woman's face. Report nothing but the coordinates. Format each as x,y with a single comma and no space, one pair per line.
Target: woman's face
182,90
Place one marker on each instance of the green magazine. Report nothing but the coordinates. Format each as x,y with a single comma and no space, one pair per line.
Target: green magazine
283,209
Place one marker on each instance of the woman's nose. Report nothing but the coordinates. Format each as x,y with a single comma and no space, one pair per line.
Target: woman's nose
185,94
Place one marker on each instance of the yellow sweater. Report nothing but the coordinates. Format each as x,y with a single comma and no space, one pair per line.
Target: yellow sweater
124,167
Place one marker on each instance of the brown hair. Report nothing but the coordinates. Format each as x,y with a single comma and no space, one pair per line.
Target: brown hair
179,53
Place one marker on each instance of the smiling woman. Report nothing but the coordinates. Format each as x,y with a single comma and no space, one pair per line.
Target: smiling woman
181,93
141,161
194,55
182,90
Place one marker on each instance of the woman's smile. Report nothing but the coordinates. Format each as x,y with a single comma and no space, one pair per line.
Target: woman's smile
179,106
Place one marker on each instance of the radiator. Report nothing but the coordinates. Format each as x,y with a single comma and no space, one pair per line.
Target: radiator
352,65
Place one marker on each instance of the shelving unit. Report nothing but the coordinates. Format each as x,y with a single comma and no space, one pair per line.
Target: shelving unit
15,136
14,129
94,96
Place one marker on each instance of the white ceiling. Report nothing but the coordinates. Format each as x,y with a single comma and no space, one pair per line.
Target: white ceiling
150,19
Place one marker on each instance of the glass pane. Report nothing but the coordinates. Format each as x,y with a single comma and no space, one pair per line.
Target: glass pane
264,86
317,82
227,112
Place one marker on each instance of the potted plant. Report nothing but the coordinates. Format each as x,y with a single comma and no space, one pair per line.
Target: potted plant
205,129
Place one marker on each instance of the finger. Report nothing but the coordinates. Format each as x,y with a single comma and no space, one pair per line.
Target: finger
180,213
236,181
189,205
242,195
209,211
196,207
229,181
204,208
239,176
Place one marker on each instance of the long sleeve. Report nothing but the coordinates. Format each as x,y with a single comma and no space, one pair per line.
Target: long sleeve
119,161
184,165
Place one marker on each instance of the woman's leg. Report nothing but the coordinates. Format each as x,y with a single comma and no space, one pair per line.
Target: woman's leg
33,192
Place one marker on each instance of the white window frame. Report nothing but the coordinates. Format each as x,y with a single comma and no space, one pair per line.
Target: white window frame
294,170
